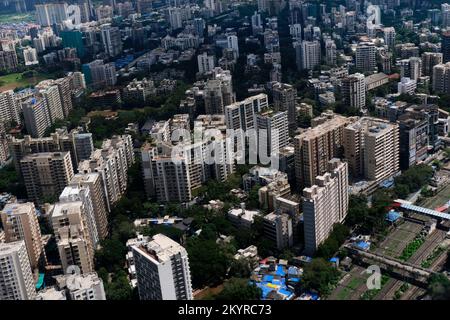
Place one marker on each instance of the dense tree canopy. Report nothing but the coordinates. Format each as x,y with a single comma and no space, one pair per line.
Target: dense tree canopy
239,289
318,276
439,287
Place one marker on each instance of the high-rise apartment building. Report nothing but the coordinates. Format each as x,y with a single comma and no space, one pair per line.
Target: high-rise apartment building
162,270
307,54
273,133
413,138
206,63
366,54
9,108
97,192
83,194
429,60
65,93
46,174
316,146
52,13
112,40
53,101
354,91
112,163
75,247
441,78
371,148
8,60
80,145
36,116
330,52
324,204
278,229
242,114
20,222
284,96
389,37
99,75
16,278
30,56
445,46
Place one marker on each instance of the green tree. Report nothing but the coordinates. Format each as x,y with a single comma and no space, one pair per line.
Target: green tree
111,256
439,287
119,288
240,268
208,262
319,275
239,289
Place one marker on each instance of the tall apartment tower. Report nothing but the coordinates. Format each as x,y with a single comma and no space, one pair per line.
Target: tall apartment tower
83,194
112,40
170,180
69,221
278,229
16,278
445,46
99,75
354,91
445,15
415,68
162,270
284,96
93,181
205,63
366,54
53,101
242,114
441,78
65,93
213,97
429,60
389,37
20,222
36,116
316,146
371,148
9,108
308,54
273,133
330,52
46,174
324,204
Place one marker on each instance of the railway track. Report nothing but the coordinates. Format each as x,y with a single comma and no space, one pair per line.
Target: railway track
426,248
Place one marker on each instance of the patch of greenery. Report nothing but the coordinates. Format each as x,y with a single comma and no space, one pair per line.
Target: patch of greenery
319,276
439,287
239,289
432,257
336,238
411,248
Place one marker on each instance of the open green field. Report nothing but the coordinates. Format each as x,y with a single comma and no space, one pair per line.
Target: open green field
16,17
15,80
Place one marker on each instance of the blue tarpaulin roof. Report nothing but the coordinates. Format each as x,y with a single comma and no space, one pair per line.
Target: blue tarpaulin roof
392,216
280,271
362,245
